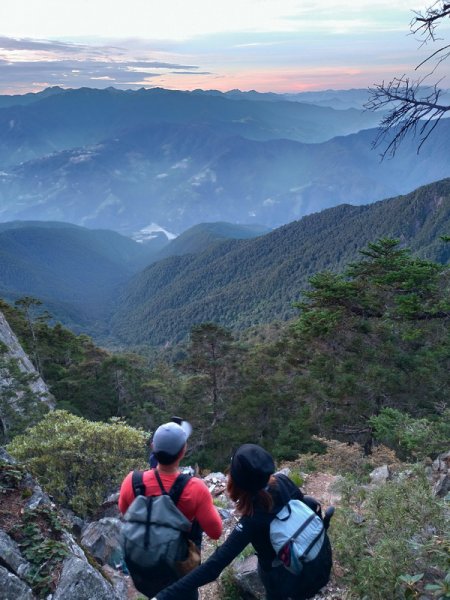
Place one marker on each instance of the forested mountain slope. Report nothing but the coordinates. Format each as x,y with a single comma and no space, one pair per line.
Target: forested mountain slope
72,269
76,271
245,282
199,237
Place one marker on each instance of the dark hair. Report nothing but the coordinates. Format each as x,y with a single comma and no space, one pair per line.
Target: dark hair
246,501
165,458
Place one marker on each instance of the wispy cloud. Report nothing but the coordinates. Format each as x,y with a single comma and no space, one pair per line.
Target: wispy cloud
34,63
7,43
250,44
190,73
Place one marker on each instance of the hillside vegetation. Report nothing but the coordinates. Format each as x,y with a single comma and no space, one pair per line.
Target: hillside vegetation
76,272
373,337
242,283
365,360
73,270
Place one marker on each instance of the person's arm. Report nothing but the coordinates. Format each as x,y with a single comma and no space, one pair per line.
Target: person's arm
126,495
239,538
206,514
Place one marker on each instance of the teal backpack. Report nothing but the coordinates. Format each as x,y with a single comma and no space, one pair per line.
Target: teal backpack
298,531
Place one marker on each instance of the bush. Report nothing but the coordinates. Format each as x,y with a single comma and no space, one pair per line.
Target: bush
412,438
396,532
341,458
77,461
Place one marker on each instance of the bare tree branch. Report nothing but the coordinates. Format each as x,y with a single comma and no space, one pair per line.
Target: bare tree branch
424,24
411,105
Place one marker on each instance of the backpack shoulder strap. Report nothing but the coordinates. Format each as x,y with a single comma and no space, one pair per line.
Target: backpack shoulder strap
178,486
158,479
137,482
287,489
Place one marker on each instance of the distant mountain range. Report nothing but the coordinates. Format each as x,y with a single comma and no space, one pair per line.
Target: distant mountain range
131,161
240,283
87,174
177,175
337,99
62,119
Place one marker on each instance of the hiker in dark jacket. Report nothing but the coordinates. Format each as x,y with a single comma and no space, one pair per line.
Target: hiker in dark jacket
256,492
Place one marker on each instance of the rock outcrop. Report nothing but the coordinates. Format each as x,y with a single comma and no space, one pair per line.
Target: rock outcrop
439,474
15,351
39,558
23,394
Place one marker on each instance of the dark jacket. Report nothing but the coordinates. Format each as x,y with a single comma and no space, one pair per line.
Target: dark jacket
250,530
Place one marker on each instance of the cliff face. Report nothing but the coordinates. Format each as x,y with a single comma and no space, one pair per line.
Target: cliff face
22,390
39,557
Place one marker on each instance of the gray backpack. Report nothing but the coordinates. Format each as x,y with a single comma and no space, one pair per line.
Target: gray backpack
155,535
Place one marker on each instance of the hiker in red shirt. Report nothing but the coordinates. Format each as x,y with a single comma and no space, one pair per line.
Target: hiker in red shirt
169,448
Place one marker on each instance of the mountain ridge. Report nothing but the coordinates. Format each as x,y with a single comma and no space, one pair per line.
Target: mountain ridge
77,117
247,282
178,176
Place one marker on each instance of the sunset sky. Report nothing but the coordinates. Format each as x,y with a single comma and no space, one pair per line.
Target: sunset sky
267,45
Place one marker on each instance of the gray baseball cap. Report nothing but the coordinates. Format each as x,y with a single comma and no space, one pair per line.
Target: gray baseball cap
171,437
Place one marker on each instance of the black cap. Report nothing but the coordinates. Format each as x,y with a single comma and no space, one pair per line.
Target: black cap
251,467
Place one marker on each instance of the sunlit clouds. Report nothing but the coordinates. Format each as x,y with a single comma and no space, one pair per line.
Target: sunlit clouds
267,45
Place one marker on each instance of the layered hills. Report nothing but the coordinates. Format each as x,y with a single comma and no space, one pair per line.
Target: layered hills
178,175
112,287
240,283
62,119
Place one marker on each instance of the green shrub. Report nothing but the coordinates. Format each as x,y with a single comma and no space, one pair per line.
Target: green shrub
409,437
385,541
38,535
227,586
297,478
77,461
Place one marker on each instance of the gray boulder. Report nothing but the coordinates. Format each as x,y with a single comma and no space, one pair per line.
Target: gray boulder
11,557
103,540
39,498
7,458
442,486
380,475
440,477
245,575
121,583
75,523
80,581
12,588
110,507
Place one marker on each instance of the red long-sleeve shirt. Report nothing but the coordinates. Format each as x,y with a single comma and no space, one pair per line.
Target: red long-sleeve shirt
195,501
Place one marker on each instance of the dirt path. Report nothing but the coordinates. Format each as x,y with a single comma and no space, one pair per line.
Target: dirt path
321,486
